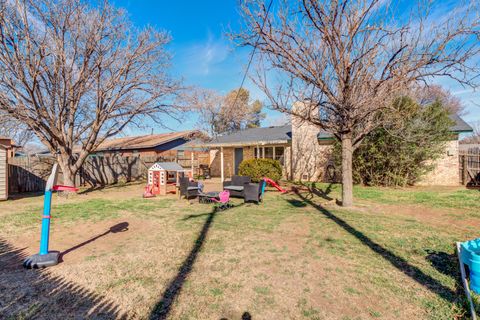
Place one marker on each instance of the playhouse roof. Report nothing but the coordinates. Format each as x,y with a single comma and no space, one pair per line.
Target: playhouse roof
167,166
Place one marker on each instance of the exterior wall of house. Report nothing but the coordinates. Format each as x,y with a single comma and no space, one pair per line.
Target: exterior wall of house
3,174
248,153
310,157
9,146
447,168
228,158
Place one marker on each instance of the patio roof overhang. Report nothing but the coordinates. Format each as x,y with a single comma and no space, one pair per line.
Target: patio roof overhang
239,143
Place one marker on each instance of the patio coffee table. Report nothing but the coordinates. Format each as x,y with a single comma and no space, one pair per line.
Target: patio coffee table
207,196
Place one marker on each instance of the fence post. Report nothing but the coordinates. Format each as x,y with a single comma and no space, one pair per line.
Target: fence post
464,169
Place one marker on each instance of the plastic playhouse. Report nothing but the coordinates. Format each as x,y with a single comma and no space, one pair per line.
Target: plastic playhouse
163,177
46,258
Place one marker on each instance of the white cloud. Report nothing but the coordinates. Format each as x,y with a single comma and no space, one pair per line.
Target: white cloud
201,58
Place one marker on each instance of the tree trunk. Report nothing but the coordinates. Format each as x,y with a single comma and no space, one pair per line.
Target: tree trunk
67,171
347,178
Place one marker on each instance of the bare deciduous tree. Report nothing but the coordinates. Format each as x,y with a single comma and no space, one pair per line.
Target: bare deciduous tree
428,94
14,129
224,114
474,138
345,60
208,105
77,74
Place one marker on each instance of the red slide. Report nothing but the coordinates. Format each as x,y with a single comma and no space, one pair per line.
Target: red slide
274,184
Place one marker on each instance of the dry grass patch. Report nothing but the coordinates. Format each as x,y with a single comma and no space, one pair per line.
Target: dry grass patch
292,257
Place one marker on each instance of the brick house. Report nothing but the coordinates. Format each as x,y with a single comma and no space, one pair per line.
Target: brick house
228,151
305,152
275,142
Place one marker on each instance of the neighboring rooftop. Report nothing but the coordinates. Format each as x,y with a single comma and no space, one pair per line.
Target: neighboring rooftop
460,125
144,142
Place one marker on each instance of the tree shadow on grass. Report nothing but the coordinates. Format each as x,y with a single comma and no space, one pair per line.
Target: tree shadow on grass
164,305
245,316
109,187
399,263
37,294
312,190
446,263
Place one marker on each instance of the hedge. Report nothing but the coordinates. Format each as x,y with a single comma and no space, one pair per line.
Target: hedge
256,169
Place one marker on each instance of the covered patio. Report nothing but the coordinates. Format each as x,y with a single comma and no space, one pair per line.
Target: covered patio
228,151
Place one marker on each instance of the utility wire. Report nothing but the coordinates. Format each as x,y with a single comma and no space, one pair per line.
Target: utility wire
253,53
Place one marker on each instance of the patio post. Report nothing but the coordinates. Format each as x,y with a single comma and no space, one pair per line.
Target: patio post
192,158
221,164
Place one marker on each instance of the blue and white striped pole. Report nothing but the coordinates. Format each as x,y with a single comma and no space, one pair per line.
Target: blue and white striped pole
45,235
45,257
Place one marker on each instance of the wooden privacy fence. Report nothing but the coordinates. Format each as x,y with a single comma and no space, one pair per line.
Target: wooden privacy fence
29,174
470,166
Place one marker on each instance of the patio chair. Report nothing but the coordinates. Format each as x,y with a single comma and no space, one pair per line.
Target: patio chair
224,200
188,189
236,185
254,191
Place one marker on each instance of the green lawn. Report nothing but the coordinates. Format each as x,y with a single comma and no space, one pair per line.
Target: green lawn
295,256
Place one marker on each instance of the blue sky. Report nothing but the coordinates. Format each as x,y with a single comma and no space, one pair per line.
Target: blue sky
203,56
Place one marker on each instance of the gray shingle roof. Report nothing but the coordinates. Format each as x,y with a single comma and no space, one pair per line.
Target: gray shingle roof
283,134
256,135
460,125
253,136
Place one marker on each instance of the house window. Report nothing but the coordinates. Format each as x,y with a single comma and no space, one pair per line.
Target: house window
135,153
279,154
268,152
180,154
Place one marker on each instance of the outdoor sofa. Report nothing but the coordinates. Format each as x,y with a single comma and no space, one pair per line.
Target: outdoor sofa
236,185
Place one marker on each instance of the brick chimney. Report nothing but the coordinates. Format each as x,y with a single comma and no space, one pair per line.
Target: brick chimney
309,157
